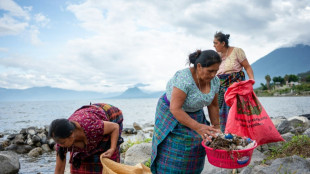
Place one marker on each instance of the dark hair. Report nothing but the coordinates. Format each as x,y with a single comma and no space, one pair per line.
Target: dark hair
222,38
206,58
61,128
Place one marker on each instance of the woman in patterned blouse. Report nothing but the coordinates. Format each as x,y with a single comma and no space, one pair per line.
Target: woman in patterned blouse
89,132
180,123
230,71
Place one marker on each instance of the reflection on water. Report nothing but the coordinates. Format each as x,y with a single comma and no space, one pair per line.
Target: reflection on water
17,115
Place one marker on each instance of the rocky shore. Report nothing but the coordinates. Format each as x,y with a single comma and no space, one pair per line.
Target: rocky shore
35,142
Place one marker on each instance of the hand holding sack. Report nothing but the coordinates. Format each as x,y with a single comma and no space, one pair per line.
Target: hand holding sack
247,117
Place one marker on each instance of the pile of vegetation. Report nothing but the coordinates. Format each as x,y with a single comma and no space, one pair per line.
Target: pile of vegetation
299,145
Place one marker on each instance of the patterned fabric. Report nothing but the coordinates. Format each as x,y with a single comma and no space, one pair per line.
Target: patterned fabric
175,147
231,63
195,99
90,118
226,81
89,165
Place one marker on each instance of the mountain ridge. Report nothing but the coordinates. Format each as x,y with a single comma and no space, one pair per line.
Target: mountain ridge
282,61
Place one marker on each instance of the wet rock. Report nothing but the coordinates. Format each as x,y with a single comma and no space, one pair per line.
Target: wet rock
1,135
19,139
35,139
11,137
35,152
23,131
18,148
129,131
9,162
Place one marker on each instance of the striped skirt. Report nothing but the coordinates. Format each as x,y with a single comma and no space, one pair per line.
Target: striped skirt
226,81
175,147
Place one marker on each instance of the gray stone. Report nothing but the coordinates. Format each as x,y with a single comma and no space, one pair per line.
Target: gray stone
9,162
29,142
294,164
43,138
137,126
31,131
21,149
19,139
246,170
11,137
284,127
35,139
35,152
140,136
138,153
276,121
307,132
23,131
287,136
46,148
257,157
1,135
299,121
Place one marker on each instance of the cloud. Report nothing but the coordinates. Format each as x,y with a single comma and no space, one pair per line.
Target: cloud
115,45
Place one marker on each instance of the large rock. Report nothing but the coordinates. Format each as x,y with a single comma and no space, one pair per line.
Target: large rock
9,163
307,132
138,153
299,121
284,127
276,121
293,164
36,152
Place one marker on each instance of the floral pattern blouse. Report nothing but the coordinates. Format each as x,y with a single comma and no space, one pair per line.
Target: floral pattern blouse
195,99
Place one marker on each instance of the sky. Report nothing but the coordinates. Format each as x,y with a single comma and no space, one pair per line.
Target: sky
110,45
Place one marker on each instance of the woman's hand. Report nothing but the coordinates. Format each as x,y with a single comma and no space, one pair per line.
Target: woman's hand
108,153
207,132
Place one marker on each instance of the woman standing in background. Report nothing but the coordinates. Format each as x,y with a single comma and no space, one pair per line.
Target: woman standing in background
230,70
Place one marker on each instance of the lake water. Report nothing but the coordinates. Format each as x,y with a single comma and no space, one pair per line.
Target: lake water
17,115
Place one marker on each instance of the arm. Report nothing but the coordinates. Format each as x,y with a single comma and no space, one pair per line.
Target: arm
248,69
177,99
213,110
112,129
60,165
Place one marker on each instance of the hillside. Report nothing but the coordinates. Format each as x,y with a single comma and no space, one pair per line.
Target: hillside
136,92
46,93
282,61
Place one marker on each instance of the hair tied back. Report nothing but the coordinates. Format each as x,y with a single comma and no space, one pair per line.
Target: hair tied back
198,52
227,36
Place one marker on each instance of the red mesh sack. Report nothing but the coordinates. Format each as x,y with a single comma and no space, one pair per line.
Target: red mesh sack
247,117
